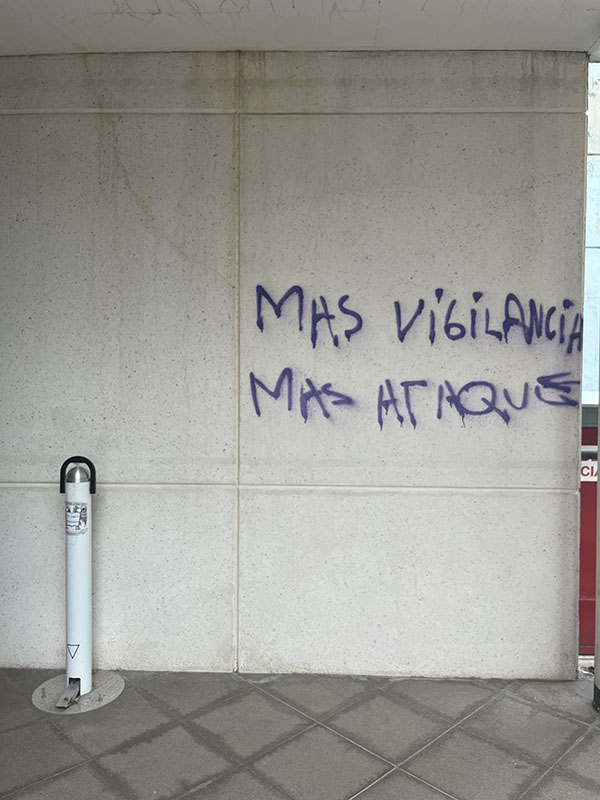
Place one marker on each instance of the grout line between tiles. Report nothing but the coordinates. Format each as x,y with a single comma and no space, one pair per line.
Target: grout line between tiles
324,725
426,783
65,736
374,783
548,709
554,764
501,693
266,751
243,764
285,702
355,743
28,786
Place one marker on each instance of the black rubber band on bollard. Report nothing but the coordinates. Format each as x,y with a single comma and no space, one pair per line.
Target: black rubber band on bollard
597,697
81,460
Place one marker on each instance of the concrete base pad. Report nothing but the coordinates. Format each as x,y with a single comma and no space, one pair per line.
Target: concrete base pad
106,686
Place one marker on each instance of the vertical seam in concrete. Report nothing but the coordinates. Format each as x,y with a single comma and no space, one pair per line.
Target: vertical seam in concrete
236,590
575,606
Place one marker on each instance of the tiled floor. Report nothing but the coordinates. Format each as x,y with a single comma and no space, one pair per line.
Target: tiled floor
298,737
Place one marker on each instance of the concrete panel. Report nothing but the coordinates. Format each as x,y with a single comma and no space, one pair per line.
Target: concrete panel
363,212
409,582
149,81
317,82
163,577
118,291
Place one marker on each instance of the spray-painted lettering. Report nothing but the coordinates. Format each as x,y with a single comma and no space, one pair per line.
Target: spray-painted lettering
310,394
509,320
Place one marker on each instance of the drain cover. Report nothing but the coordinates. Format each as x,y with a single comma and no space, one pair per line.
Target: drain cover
106,687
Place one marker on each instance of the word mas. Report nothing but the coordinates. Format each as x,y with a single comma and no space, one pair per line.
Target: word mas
516,318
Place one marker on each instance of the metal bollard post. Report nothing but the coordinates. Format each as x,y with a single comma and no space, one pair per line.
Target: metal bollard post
78,484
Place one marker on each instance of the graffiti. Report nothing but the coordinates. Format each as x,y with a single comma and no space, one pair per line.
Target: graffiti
514,320
478,398
322,396
524,321
475,398
391,401
319,313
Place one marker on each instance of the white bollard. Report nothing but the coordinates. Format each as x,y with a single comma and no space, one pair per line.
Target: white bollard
78,484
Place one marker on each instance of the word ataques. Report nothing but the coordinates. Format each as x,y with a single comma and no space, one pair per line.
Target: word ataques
400,400
512,320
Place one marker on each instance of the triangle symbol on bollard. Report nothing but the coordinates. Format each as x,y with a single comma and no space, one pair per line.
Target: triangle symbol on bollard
72,648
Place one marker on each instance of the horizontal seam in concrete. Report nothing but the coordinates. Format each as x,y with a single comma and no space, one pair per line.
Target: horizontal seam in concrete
9,112
399,489
305,487
414,110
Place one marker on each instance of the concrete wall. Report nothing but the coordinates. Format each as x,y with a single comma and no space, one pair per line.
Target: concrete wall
356,523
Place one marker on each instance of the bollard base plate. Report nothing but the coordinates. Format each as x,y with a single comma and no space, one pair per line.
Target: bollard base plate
106,687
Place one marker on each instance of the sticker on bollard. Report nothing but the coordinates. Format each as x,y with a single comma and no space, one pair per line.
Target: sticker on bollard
76,518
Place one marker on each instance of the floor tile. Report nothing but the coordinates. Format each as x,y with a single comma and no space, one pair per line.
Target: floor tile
452,698
16,688
495,683
468,768
248,724
26,680
33,752
569,697
109,727
187,692
138,676
260,678
318,765
517,725
318,695
584,759
241,785
555,787
388,728
82,783
168,764
399,786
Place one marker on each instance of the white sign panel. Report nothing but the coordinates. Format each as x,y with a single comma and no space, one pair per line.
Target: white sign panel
589,470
